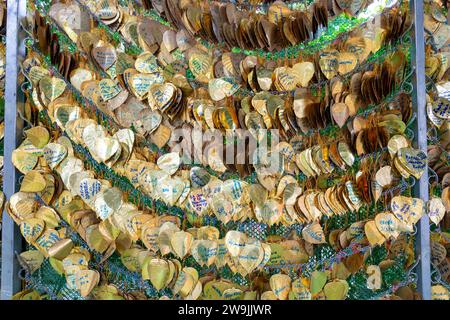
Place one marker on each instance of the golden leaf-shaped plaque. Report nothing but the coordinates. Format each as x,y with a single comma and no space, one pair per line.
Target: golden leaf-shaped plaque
52,87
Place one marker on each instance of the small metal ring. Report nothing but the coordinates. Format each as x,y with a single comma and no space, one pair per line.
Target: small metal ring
22,274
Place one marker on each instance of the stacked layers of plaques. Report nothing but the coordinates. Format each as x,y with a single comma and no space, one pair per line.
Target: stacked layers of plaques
437,55
217,151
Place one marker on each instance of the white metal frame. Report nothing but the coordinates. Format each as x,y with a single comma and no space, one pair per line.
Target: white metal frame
15,53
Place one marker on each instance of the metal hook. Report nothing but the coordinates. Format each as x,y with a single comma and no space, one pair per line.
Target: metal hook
415,230
412,119
433,175
430,41
25,75
436,276
22,274
407,87
409,75
24,28
430,82
410,133
432,133
408,32
413,267
24,90
29,124
411,183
